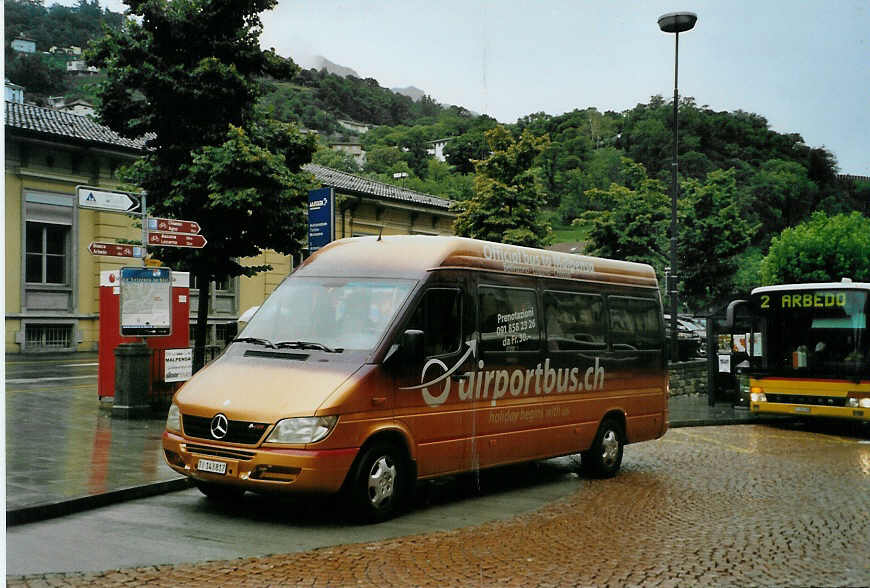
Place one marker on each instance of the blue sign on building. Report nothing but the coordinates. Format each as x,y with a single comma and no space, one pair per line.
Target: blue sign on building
321,215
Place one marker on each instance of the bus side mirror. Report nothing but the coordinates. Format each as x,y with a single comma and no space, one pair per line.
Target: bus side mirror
731,312
411,344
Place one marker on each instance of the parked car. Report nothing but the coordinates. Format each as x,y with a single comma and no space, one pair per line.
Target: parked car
691,336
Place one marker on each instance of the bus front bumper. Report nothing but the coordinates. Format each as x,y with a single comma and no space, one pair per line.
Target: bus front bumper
837,412
259,469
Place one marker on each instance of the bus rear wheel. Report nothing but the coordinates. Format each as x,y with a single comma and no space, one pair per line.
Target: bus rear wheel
603,458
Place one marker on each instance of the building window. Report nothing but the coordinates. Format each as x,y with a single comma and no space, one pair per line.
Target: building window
47,337
46,253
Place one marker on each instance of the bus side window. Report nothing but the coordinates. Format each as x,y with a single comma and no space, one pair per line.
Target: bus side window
439,317
508,319
574,321
634,323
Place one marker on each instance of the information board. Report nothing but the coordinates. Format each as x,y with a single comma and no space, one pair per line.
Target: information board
321,214
146,301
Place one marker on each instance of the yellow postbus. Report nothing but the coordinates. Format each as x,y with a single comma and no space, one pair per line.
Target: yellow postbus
809,352
383,361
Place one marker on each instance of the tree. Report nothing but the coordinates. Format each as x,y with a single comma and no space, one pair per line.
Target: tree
630,224
782,195
184,75
823,249
712,233
36,74
340,160
507,202
386,160
462,152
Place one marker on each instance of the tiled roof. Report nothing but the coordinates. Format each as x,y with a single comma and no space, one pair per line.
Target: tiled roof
357,185
45,121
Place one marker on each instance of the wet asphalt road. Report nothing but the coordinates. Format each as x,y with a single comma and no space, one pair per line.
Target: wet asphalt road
738,505
61,444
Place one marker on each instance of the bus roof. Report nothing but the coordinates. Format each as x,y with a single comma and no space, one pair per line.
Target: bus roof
844,284
413,256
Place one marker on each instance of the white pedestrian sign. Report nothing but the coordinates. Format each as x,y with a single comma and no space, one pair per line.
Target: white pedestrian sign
111,200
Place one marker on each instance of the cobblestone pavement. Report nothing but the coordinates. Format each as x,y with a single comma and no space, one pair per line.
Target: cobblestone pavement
724,506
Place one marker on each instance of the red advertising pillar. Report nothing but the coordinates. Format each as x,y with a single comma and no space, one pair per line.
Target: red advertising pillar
110,333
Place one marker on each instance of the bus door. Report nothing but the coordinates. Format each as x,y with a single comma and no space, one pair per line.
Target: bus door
430,395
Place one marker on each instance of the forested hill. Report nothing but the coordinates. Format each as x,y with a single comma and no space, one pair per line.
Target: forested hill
315,99
57,25
603,176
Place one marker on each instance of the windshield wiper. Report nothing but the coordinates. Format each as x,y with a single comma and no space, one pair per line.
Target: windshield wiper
307,345
255,340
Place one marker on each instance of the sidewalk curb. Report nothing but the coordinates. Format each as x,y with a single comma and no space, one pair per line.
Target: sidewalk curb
59,508
715,422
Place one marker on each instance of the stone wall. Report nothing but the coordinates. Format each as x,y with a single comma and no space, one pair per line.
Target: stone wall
688,377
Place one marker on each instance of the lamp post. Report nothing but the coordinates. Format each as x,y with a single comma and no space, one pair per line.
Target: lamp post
675,22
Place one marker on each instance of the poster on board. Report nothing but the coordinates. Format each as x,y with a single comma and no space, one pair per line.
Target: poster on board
146,301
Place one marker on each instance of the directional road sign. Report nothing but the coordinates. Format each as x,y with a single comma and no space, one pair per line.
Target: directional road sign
115,249
176,240
111,200
173,225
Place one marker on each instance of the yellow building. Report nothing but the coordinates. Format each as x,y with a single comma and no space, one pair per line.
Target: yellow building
52,280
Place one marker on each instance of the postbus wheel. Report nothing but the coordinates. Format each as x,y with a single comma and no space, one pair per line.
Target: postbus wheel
379,484
604,457
219,492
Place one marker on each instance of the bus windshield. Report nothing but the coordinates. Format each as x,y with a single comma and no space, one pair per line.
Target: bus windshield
332,314
814,333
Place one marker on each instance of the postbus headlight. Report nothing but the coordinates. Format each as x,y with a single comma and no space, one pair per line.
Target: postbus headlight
302,429
756,394
173,419
858,400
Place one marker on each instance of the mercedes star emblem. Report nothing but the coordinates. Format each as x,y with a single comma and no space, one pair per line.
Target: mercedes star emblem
219,426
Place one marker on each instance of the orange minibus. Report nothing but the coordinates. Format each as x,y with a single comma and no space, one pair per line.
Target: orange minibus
383,361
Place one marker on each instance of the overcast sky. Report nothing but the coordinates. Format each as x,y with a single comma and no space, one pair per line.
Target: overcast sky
802,64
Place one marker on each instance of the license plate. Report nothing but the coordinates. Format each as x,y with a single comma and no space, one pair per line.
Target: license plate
803,409
211,466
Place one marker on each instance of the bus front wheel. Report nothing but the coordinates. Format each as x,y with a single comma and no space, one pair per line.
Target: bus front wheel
604,457
379,484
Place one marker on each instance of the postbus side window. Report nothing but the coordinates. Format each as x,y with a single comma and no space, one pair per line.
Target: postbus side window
574,321
508,319
634,323
439,317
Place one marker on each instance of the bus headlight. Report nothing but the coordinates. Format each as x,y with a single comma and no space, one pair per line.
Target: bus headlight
756,394
173,419
858,400
302,429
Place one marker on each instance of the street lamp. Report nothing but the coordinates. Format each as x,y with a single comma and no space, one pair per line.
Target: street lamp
675,22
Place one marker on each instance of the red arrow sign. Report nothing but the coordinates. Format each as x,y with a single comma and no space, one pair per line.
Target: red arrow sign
115,249
176,240
173,225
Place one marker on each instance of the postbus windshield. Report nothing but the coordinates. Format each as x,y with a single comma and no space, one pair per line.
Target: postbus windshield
814,333
335,313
